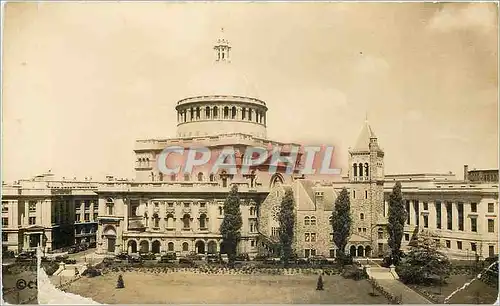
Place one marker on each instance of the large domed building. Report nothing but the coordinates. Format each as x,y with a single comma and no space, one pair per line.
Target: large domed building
221,100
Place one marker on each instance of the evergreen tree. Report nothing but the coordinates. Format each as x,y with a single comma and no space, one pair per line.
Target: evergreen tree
396,221
119,283
341,222
231,225
287,222
319,285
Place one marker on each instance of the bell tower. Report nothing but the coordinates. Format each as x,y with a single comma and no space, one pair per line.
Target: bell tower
222,49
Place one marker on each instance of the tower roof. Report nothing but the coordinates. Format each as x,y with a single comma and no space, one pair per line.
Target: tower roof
363,142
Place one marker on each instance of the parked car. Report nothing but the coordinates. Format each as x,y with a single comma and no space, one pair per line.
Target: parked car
186,261
272,260
318,260
243,257
25,256
260,257
168,257
72,250
122,256
147,256
134,258
213,258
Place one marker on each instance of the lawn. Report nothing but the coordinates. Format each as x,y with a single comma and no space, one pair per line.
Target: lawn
184,288
477,293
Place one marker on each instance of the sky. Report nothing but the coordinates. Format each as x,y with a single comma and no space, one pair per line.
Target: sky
83,81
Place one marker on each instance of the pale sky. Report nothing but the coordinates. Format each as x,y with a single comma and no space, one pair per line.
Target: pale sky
83,81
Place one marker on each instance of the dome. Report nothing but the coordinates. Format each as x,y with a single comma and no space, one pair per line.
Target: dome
221,79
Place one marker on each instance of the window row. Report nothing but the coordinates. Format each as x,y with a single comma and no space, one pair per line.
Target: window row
310,237
226,112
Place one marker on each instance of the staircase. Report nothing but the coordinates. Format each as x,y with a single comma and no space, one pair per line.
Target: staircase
268,245
381,273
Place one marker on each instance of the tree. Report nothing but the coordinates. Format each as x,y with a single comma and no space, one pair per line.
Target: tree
286,221
119,283
319,285
424,262
396,222
341,222
231,225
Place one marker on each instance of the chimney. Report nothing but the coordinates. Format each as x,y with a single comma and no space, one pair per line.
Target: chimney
466,172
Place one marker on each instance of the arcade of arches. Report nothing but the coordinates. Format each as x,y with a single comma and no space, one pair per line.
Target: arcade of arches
155,246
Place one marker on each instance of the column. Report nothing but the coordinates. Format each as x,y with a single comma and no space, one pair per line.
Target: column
466,216
432,214
125,213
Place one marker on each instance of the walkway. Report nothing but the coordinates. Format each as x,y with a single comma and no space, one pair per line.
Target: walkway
390,282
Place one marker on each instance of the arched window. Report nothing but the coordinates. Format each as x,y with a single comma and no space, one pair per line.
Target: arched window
170,221
160,176
233,113
170,247
224,178
186,221
354,194
243,113
198,113
313,220
360,167
216,112
203,221
380,233
110,204
221,211
307,220
366,194
212,177
185,247
250,114
366,169
200,177
226,112
207,112
192,113
186,177
152,176
146,219
156,220
172,177
362,216
355,168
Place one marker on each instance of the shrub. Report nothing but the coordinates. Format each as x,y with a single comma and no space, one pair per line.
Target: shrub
91,272
50,267
353,272
119,283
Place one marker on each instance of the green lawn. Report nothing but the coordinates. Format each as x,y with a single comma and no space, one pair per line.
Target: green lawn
184,288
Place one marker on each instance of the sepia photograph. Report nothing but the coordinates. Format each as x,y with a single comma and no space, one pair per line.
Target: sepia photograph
232,152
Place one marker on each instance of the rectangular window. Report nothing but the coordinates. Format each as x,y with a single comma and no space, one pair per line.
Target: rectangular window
473,247
473,224
426,206
449,215
32,206
459,245
252,243
460,208
77,204
307,237
5,222
307,253
366,194
491,250
473,207
87,205
364,229
426,221
491,226
407,237
32,220
5,237
313,252
313,237
448,244
491,207
77,218
95,217
5,207
87,217
359,229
